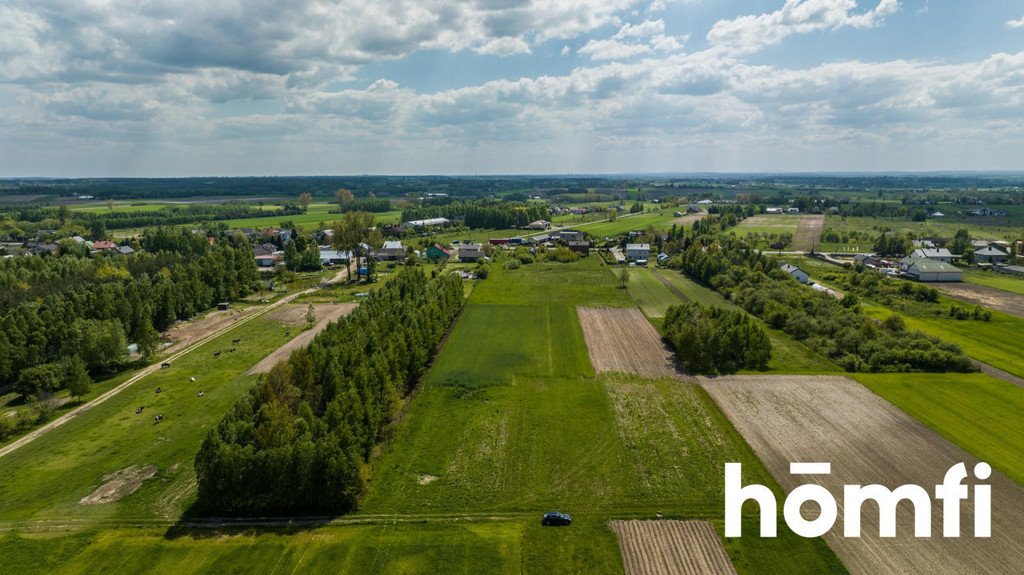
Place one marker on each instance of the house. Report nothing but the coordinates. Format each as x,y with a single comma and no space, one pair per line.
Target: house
793,210
539,225
436,252
937,254
580,246
125,250
773,211
663,257
329,256
264,250
1011,270
427,223
869,260
795,273
926,270
391,251
923,243
705,202
41,249
638,252
991,255
470,253
268,261
104,246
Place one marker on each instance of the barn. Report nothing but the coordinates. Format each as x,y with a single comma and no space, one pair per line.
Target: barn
925,270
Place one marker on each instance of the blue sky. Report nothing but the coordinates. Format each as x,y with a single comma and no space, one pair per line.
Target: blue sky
180,87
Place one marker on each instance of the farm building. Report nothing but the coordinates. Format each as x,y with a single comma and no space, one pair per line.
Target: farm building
539,225
427,223
925,270
567,235
1011,270
330,257
470,253
582,247
991,255
125,250
393,250
870,260
104,246
498,241
638,251
936,254
773,211
795,272
437,252
793,210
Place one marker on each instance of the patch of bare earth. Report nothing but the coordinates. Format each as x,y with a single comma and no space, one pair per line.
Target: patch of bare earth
119,484
689,219
186,333
670,547
867,440
621,339
807,232
426,479
325,313
997,299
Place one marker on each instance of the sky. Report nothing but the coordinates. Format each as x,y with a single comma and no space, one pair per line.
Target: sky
106,88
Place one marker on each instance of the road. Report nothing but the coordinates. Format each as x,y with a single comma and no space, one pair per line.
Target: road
39,432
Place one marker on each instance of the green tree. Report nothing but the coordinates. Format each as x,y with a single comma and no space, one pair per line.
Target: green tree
97,229
310,315
305,199
623,277
38,381
101,343
344,198
146,336
76,379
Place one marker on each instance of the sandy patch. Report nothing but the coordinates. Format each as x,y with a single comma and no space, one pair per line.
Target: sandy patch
670,547
325,314
867,440
184,334
119,484
621,339
689,219
426,479
295,313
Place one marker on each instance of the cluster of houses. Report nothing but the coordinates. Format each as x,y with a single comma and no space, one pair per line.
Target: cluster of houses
929,262
41,247
777,211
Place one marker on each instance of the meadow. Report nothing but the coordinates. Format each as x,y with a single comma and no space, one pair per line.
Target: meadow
661,219
995,280
1004,228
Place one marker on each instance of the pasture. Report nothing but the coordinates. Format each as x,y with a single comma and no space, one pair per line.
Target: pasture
661,219
1004,228
995,280
775,224
867,440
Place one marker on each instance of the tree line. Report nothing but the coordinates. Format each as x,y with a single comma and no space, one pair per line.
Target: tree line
834,328
481,214
58,308
716,340
296,443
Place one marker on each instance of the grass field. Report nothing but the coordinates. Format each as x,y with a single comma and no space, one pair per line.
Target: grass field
981,414
661,219
774,224
1005,228
995,280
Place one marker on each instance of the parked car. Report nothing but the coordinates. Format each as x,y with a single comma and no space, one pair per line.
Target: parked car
556,519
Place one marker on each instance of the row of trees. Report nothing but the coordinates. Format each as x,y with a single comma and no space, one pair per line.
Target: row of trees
709,339
481,213
55,308
834,328
297,441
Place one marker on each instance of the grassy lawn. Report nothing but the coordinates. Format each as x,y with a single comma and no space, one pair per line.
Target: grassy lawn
995,280
309,221
649,293
586,282
995,342
981,414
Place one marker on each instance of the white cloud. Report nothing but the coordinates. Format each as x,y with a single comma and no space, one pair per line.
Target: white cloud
1015,24
748,34
642,30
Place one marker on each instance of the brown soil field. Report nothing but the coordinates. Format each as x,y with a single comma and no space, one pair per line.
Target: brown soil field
998,299
621,339
119,484
184,334
868,440
670,547
807,232
325,314
689,219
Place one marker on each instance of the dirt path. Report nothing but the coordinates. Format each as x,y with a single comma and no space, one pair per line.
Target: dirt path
325,313
669,285
36,433
808,231
670,547
1004,301
998,373
621,339
867,440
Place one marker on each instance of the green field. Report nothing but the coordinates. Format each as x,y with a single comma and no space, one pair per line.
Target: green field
661,219
1005,228
981,414
995,280
775,224
649,293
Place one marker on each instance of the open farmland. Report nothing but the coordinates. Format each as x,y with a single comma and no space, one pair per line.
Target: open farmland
995,280
867,440
623,340
807,232
660,219
670,547
764,224
1007,302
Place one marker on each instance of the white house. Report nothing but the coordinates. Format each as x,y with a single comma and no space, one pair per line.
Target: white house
638,251
773,211
795,272
990,254
428,223
937,254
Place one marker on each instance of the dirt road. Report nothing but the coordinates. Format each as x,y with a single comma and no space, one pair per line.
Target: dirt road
1004,301
36,433
326,312
808,231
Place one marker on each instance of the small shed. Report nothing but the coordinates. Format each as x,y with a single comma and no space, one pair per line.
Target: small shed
223,306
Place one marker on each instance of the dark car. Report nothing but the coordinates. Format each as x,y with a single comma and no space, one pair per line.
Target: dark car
556,518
